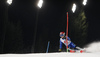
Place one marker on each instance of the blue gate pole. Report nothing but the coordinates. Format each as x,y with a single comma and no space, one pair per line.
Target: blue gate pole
48,46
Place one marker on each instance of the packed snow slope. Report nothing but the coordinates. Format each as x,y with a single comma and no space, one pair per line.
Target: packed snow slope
53,55
93,50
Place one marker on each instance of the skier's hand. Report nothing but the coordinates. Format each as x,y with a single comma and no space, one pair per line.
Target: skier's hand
59,50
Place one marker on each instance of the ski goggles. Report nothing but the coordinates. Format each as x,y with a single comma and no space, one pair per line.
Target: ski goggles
61,35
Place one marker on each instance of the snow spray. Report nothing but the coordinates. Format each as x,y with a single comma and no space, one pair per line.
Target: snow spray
93,47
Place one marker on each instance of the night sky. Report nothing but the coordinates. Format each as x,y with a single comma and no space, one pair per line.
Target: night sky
50,19
92,14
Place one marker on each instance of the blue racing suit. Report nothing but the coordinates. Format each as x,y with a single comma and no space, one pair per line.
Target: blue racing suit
70,44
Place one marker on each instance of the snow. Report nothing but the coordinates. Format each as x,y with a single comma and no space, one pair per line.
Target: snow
62,54
93,50
93,47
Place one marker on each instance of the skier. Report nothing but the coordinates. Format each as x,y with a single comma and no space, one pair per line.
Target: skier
71,45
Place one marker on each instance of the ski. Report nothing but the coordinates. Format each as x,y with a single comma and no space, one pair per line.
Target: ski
78,51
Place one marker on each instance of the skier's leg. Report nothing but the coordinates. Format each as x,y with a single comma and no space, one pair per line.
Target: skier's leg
72,45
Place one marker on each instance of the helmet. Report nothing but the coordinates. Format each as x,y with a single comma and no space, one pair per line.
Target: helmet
62,34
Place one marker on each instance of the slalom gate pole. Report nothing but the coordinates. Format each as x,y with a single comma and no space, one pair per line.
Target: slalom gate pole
48,46
67,33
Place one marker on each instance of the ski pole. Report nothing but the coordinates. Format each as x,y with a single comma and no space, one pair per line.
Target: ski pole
48,46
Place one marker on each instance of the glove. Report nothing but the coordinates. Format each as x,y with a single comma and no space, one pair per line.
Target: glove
60,50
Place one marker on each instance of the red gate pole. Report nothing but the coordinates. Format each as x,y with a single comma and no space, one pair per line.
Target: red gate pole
67,33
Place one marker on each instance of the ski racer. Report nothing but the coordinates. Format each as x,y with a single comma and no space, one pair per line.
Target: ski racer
71,45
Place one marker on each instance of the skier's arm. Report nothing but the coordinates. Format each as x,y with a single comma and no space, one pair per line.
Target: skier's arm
60,46
68,38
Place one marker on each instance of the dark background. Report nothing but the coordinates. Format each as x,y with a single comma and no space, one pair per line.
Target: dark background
18,34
